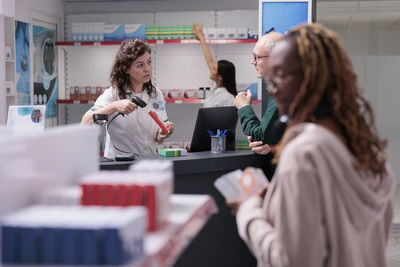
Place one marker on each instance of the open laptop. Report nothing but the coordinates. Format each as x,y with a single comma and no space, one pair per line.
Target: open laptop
212,119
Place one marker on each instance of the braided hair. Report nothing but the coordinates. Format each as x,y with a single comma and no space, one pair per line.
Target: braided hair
128,52
329,78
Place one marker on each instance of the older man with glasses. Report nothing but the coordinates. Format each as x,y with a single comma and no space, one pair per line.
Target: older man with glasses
259,133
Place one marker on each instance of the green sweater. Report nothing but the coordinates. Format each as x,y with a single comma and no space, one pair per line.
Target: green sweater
251,125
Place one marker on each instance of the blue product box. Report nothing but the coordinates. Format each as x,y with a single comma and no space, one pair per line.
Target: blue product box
9,244
51,245
253,87
27,249
114,32
137,31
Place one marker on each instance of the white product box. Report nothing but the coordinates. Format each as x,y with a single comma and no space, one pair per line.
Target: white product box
74,31
242,32
114,32
231,33
211,33
135,31
10,88
77,30
8,52
221,33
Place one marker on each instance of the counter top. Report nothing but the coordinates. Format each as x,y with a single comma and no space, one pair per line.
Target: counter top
198,162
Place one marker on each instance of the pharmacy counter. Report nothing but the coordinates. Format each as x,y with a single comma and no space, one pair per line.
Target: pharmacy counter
199,162
218,243
188,215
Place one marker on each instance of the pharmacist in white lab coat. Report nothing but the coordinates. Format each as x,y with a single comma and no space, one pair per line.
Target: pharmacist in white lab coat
134,132
222,73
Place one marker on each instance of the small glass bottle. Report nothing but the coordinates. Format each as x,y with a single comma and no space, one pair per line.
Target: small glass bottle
201,93
207,91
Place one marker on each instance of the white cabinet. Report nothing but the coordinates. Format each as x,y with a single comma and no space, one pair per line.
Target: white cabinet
7,68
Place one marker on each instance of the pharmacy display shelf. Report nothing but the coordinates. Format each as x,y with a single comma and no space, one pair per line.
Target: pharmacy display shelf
167,100
188,216
172,41
70,101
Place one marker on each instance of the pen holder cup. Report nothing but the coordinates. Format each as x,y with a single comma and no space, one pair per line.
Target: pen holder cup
218,144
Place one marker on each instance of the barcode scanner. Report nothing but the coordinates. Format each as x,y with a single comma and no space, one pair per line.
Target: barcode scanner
138,101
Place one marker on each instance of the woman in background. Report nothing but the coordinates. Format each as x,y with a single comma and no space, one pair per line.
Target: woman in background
330,200
135,131
223,74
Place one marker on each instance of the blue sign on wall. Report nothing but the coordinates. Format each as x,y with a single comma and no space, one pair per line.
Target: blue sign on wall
284,15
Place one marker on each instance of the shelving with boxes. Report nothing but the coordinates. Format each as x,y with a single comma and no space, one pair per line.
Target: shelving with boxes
178,64
9,60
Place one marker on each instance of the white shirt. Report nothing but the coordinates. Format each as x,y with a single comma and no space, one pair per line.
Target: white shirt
219,97
136,132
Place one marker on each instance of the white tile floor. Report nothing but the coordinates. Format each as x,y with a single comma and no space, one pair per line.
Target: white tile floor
393,249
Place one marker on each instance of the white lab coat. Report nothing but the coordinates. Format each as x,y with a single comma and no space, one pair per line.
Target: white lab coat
219,97
134,133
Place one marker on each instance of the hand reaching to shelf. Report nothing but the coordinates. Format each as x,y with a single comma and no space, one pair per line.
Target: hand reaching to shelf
198,31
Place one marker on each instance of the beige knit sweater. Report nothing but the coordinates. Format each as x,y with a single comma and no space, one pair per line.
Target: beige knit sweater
318,210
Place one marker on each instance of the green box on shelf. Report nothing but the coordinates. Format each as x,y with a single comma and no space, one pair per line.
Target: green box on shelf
152,33
188,32
164,32
177,32
172,152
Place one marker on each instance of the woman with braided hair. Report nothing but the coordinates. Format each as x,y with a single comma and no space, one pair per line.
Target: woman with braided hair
330,200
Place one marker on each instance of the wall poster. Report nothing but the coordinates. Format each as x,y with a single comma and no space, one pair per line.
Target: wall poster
45,80
22,63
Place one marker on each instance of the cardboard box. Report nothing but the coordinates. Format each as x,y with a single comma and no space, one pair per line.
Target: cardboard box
152,33
221,33
114,32
172,152
231,33
137,31
242,32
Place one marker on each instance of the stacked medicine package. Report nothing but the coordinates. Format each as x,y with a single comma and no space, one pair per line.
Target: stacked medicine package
147,184
119,32
73,235
108,228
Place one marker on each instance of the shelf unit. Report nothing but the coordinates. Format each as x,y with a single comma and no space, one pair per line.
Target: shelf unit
167,100
171,41
177,63
7,58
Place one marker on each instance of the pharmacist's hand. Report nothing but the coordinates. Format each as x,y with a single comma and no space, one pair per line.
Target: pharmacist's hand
243,99
125,106
258,147
161,135
198,30
234,204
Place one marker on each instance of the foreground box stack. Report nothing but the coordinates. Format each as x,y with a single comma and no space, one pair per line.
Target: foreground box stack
73,235
147,185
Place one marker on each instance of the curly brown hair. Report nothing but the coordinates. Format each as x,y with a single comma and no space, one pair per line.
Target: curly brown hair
329,78
128,52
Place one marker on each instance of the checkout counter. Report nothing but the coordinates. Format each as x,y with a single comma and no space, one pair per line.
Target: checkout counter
218,243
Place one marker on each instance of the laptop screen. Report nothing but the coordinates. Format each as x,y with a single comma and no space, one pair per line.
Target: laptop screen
213,119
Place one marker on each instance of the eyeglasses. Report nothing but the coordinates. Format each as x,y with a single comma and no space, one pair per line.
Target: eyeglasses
257,58
277,80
